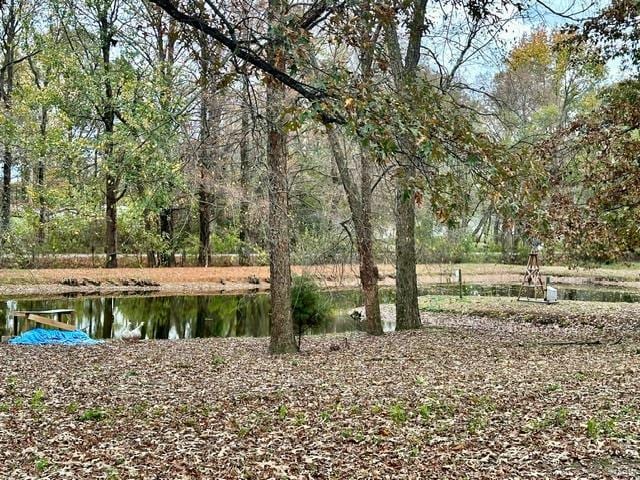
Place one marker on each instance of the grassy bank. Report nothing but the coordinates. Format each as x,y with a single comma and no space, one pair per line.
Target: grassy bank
604,315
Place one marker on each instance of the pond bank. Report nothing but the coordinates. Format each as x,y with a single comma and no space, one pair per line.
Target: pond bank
212,280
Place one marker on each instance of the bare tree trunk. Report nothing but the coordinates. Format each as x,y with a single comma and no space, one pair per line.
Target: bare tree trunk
204,222
204,195
209,123
6,92
42,214
108,118
111,220
243,254
282,337
360,206
167,257
6,190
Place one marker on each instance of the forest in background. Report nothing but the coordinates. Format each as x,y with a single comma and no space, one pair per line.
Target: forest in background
125,131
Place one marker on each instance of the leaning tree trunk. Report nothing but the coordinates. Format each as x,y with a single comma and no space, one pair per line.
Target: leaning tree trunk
282,337
360,206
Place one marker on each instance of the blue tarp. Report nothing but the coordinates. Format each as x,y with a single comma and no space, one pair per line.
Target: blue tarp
42,336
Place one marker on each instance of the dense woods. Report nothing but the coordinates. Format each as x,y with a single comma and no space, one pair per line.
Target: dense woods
316,133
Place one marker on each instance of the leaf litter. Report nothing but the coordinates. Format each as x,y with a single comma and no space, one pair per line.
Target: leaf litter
467,396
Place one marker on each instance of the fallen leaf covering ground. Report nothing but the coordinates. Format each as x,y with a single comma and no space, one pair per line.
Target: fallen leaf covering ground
465,397
232,279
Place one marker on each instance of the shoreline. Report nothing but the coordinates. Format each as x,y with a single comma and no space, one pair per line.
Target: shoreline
236,280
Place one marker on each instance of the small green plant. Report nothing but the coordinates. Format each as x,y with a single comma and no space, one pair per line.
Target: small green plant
41,464
140,408
218,360
554,387
325,416
37,400
72,408
560,416
601,427
478,422
420,380
376,409
283,411
190,422
435,408
4,407
309,308
555,418
398,413
426,411
112,474
93,414
347,433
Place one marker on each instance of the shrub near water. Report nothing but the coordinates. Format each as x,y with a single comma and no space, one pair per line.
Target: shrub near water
308,306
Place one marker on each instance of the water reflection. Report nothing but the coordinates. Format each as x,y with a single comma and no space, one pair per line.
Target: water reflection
173,317
178,316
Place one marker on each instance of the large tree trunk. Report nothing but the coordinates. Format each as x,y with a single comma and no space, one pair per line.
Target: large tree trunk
209,125
407,313
108,118
282,338
360,206
404,73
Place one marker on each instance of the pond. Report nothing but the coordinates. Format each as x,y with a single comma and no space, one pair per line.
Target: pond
247,315
181,316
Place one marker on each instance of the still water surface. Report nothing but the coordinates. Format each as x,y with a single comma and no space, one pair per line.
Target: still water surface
173,317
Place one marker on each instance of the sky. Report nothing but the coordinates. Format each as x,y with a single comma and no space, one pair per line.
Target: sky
482,65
